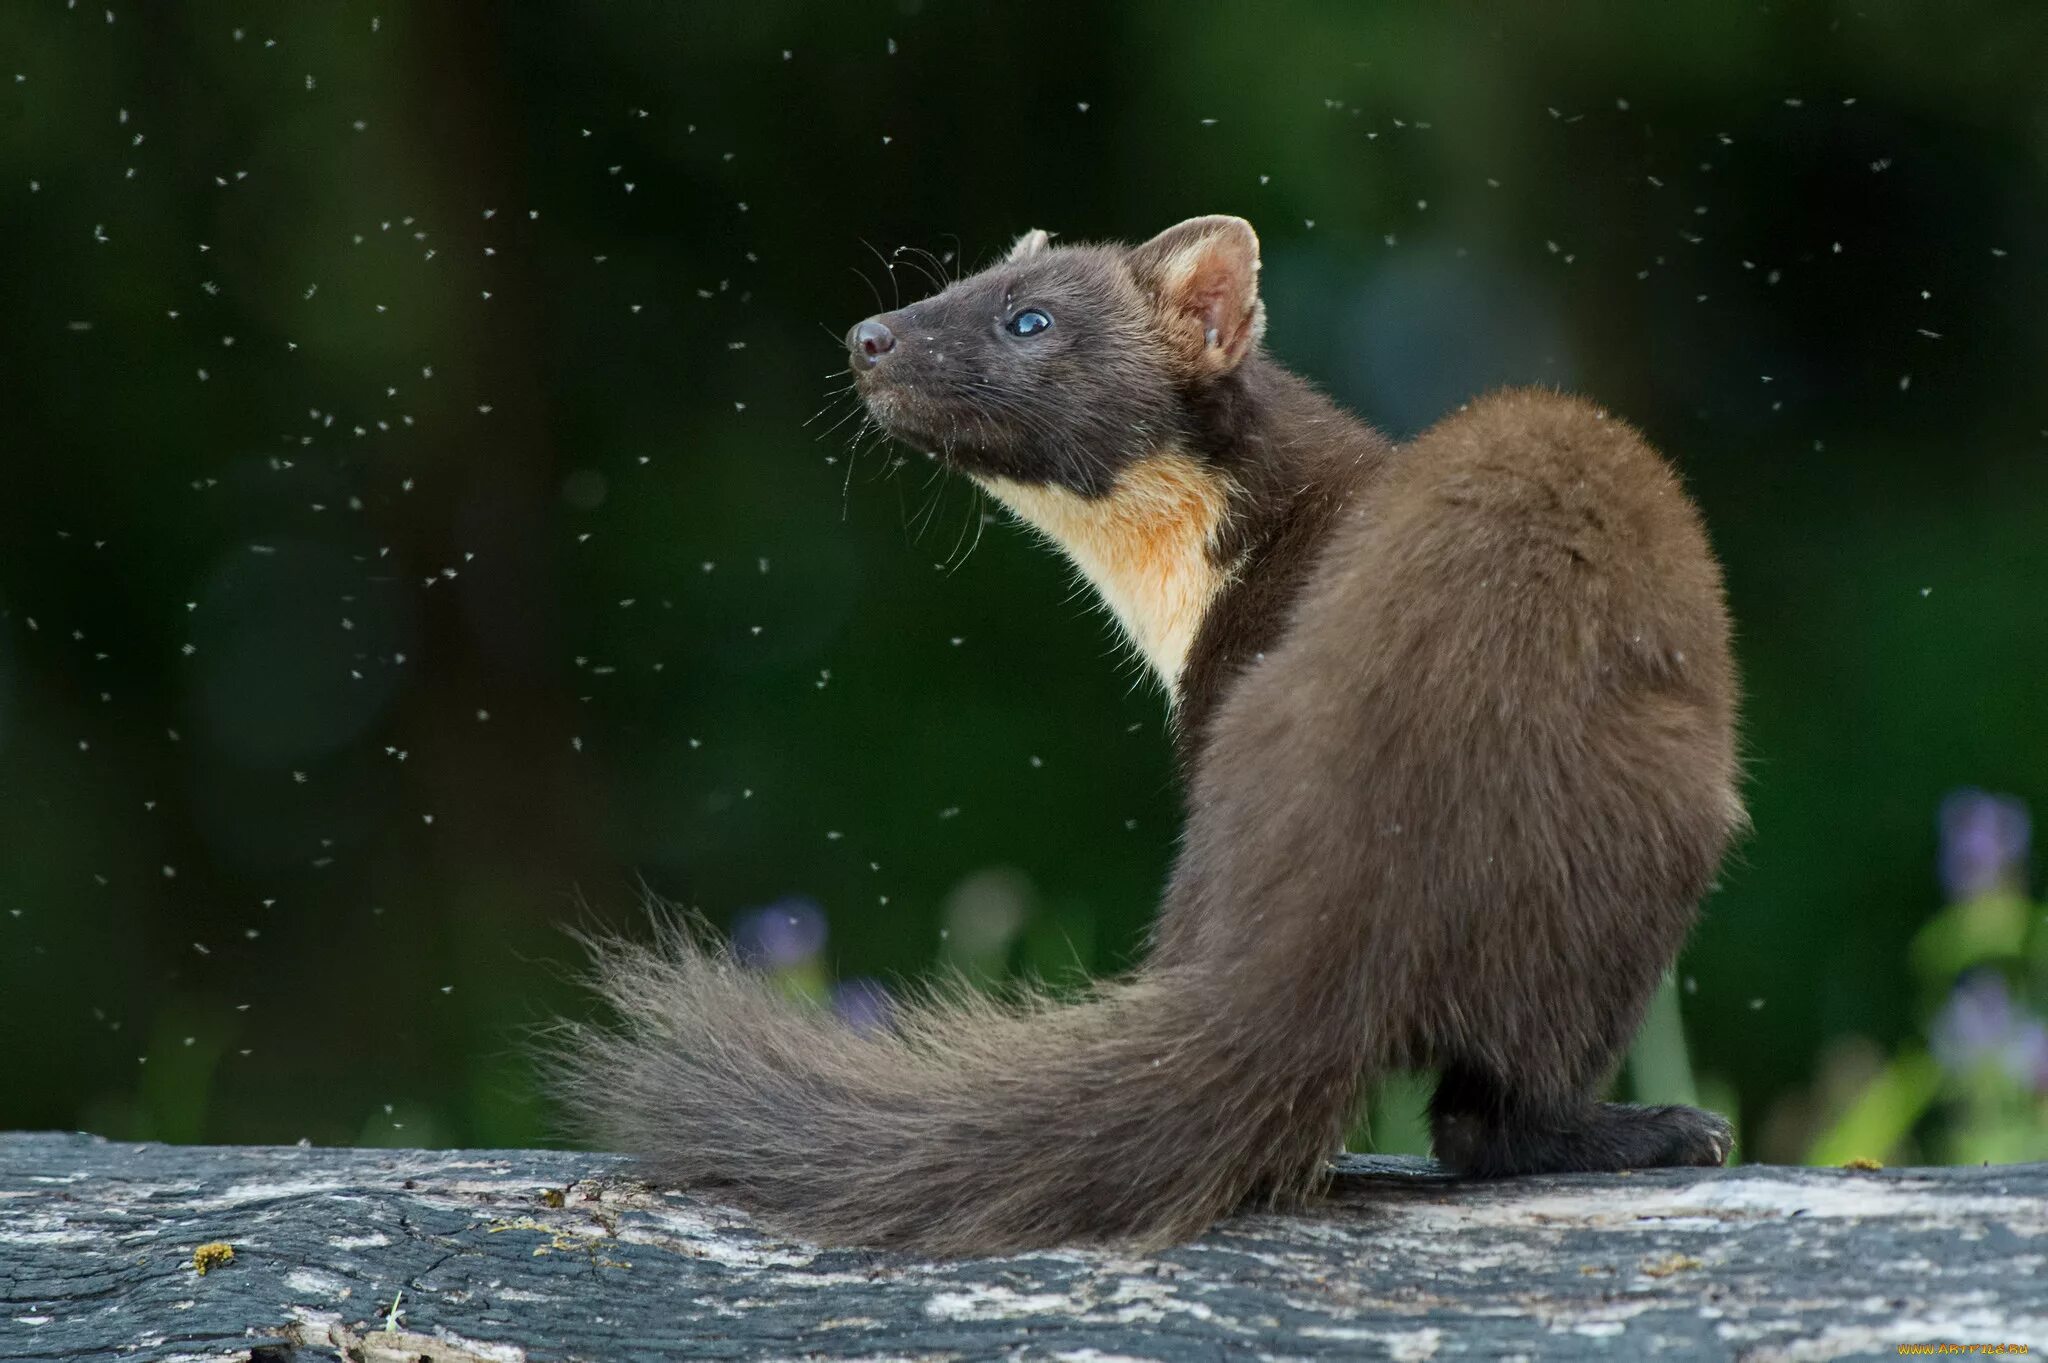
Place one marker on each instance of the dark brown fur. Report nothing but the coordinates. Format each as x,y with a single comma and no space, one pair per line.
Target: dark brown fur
1457,729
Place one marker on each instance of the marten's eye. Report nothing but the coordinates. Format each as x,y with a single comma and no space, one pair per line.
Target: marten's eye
1029,322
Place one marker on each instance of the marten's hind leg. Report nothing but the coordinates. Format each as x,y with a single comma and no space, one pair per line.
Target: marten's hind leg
1483,1126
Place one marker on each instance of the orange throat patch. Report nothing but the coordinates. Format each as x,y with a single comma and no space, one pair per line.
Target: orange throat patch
1148,548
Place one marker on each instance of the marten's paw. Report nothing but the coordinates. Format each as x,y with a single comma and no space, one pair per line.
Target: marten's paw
1659,1137
1601,1138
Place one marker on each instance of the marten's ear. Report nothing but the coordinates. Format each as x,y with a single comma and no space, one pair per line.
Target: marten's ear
1029,245
1204,275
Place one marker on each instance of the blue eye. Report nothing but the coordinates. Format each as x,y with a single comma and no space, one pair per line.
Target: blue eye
1029,322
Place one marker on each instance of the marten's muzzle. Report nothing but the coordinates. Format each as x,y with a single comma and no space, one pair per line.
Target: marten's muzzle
891,380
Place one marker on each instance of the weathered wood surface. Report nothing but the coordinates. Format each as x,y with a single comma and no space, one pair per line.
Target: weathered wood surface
514,1255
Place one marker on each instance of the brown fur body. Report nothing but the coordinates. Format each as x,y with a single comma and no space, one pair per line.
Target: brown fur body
1456,721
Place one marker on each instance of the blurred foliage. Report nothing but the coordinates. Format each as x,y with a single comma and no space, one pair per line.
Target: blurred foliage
1973,1088
413,541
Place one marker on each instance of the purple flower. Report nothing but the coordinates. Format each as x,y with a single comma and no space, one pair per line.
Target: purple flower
1984,842
1982,1023
862,1004
1977,1020
2026,1055
788,933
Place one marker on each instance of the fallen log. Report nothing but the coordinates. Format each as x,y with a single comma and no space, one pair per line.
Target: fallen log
285,1255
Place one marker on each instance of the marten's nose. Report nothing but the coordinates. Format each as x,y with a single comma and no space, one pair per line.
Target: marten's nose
867,343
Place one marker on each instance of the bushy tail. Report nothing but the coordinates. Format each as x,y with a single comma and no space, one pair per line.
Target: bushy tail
1141,1112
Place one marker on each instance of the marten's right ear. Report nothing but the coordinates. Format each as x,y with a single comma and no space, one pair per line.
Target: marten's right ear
1204,275
1028,245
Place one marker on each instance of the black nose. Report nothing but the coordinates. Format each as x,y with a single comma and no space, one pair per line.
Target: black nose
867,343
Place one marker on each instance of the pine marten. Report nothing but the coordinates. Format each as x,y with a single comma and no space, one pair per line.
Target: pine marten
1455,720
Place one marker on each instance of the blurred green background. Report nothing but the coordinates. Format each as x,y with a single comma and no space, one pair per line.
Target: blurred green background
412,540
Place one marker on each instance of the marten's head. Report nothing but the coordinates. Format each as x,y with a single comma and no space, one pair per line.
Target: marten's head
1088,388
1063,366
